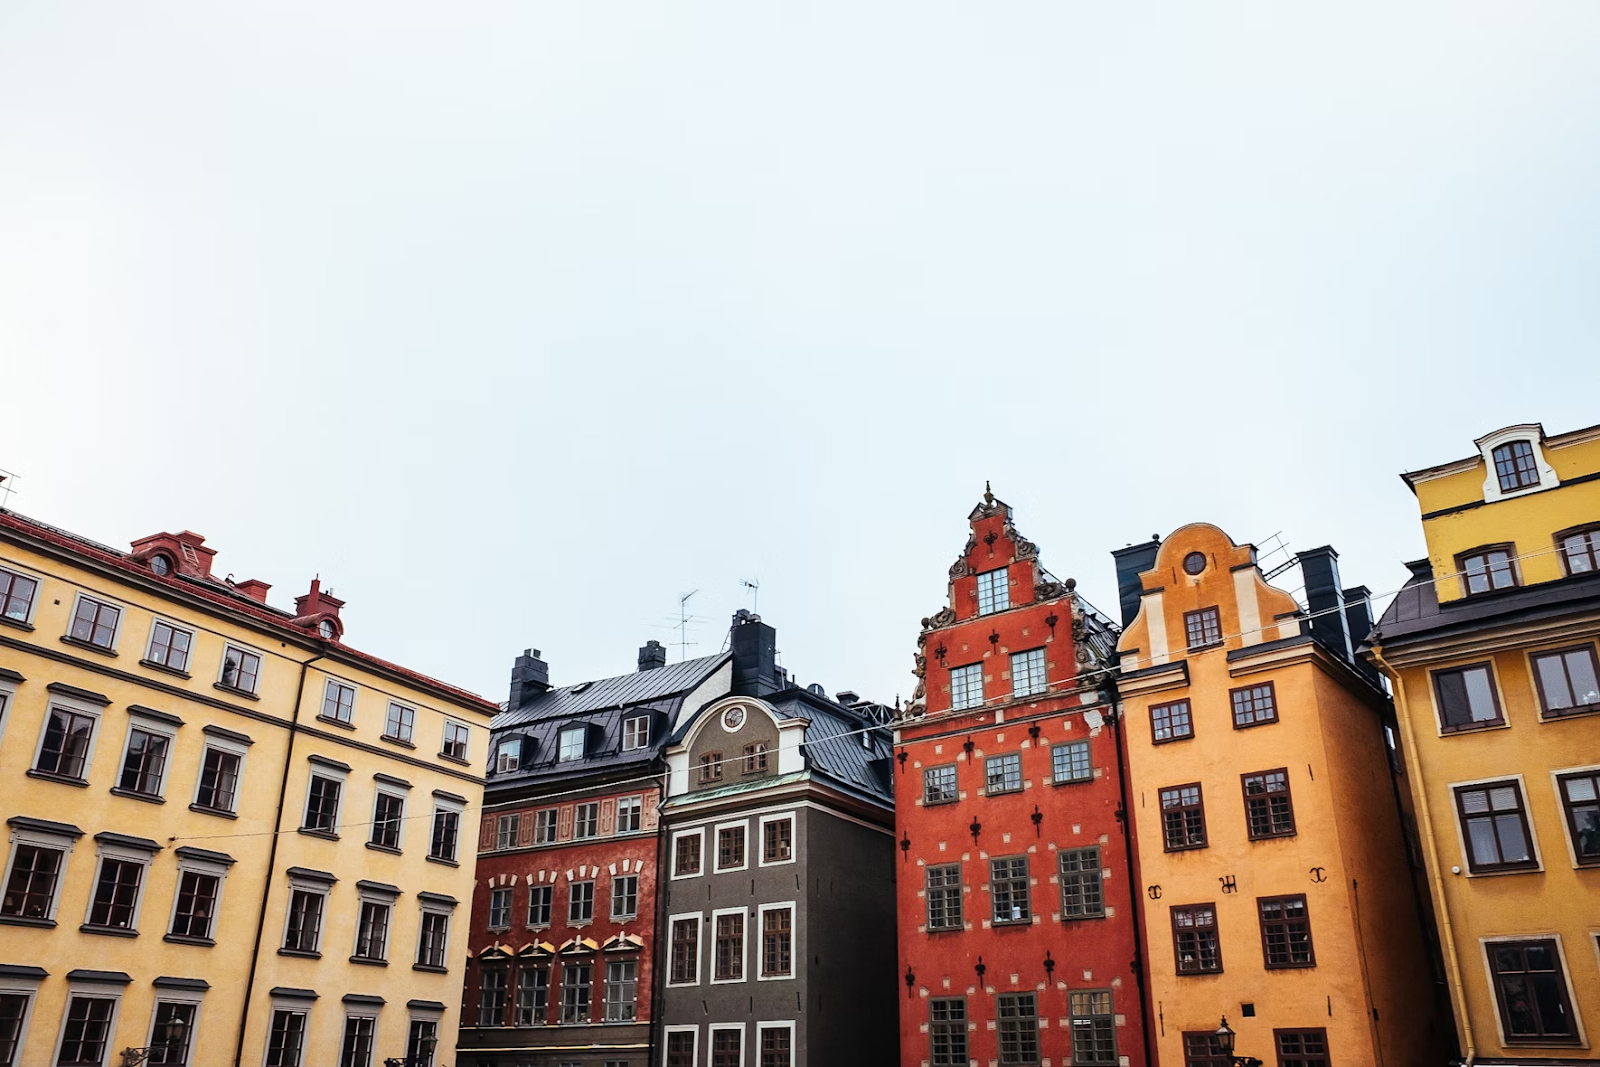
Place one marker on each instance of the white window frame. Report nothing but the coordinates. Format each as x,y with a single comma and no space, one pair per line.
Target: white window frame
116,631
744,964
150,643
398,792
636,799
234,748
365,896
8,697
999,582
582,733
443,804
794,938
698,831
595,804
1561,810
28,989
716,857
355,694
639,743
511,898
436,907
323,770
711,1038
97,712
547,887
1527,810
64,843
192,997
361,1010
33,605
516,834
222,666
149,725
693,1029
298,1006
615,878
444,739
109,850
200,865
417,1014
794,838
1044,672
111,991
964,689
593,882
554,823
500,755
776,1024
316,887
410,735
699,947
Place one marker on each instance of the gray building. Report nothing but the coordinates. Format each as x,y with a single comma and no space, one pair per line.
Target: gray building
777,926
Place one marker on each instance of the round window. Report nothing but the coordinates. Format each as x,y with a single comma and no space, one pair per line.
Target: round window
732,719
328,629
1194,562
160,565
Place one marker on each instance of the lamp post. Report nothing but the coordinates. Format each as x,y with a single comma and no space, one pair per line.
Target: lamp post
1225,1036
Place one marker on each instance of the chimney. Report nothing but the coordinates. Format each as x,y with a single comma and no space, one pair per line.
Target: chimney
319,611
1358,613
254,589
653,656
1320,569
847,697
755,656
530,676
1132,562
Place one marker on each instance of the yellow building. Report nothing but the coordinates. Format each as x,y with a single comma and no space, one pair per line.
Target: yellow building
1491,652
1278,891
232,838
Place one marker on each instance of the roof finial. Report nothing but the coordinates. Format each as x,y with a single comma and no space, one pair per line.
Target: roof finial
988,497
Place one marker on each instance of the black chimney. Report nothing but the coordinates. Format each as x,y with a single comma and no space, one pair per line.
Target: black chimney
530,676
1319,567
1132,562
755,656
1358,613
652,656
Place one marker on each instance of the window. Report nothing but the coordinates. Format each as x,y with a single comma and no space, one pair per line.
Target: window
455,740
776,1042
1531,990
576,978
1203,628
570,743
625,896
1070,763
755,757
1566,681
304,930
387,813
219,780
95,623
966,687
356,1049
67,737
16,595
492,997
1019,1028
540,899
533,995
1094,1039
322,805
197,904
544,826
1171,722
286,1040
1268,811
422,1042
508,755
635,733
399,722
947,1032
116,894
730,848
777,942
1579,548
1286,932
1254,705
727,1047
446,831
87,1032
711,767
622,991
580,902
939,785
1580,799
432,938
686,854
1027,673
1487,569
1515,466
1194,939
680,1048
506,830
777,840
1003,774
630,814
1183,818
586,820
1301,1048
500,908
31,889
145,763
994,592
1082,889
339,702
1495,823
241,669
372,932
729,965
685,968
1202,1049
1467,698
1008,887
944,896
171,1033
169,646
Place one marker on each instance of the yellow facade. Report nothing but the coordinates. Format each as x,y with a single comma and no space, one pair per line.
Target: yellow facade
1298,826
1486,655
142,788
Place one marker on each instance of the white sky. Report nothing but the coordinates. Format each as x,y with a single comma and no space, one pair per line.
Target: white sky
515,322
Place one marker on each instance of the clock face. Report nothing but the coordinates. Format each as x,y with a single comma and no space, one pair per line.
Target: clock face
732,719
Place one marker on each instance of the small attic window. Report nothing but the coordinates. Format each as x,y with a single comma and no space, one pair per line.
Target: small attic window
1515,466
572,743
327,629
161,564
508,755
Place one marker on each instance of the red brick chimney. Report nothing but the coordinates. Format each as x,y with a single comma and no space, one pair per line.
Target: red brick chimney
253,588
316,608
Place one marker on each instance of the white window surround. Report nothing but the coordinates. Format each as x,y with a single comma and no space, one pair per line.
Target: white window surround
38,595
744,963
398,792
456,807
27,988
635,737
38,838
8,696
116,631
81,707
110,850
216,868
434,906
636,799
716,846
324,770
316,887
1533,829
444,734
776,1024
193,997
409,734
111,991
367,894
355,689
672,858
794,841
150,638
699,943
149,725
299,1006
261,666
694,1031
681,777
1561,809
711,1038
794,940
1484,944
222,744
572,743
1530,432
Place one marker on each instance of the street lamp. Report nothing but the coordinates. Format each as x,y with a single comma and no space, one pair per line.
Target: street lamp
1224,1036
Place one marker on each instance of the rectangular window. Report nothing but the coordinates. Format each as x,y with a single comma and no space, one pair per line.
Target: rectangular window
1202,1049
1082,885
1171,722
625,896
322,805
31,890
1579,548
116,894
1580,799
630,814
947,1032
1487,569
16,595
492,997
1003,774
1302,1048
304,929
1203,628
1268,810
145,764
755,758
66,743
680,1048
95,623
533,995
777,840
1566,681
1027,673
685,951
446,831
1254,705
1514,466
710,767
938,785
544,826
387,813
286,1041
1286,932
540,899
777,942
775,1046
635,733
1008,888
570,743
372,935
944,897
994,592
730,948
500,908
87,1032
586,820
580,902
727,1047
456,737
169,646
356,1049
197,904
1531,991
1070,763
219,780
432,938
171,1034
1494,820
508,755
622,991
421,1043
686,854
1019,1028
241,669
506,829
1194,939
339,702
576,979
966,686
399,722
1094,1039
1183,818
1467,698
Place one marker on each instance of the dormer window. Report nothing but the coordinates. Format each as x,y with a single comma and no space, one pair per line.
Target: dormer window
327,629
572,743
161,564
508,755
1515,463
1487,569
635,733
1515,466
994,592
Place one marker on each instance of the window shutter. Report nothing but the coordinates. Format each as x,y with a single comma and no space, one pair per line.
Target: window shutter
608,817
564,823
651,820
525,829
486,834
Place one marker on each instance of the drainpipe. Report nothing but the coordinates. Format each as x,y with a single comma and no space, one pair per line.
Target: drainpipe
1133,888
272,859
658,976
1459,993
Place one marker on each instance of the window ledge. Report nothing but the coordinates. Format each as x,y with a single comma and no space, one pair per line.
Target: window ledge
300,953
109,931
1568,713
340,723
1474,728
50,776
374,846
937,803
1258,722
1496,872
87,645
428,967
1082,918
369,962
326,835
24,920
132,794
1289,966
18,623
235,690
454,759
185,939
1184,848
153,665
397,741
440,859
203,810
1012,922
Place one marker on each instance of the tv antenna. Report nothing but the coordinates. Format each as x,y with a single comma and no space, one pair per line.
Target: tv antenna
754,585
683,625
8,481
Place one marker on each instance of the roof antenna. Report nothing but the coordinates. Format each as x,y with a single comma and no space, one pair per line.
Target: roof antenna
683,625
7,480
754,585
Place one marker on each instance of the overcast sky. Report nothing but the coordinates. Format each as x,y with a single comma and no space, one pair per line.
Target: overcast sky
515,322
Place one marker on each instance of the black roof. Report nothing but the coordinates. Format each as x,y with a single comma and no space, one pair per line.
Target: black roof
1415,612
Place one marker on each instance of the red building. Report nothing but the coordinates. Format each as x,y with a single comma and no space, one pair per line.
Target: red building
1018,898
